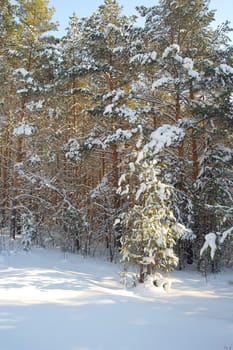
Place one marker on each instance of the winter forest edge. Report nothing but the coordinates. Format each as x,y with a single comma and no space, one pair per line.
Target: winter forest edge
116,140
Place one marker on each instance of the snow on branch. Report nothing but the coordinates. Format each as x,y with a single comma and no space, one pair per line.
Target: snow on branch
225,69
24,129
162,82
165,136
171,50
112,28
45,183
73,149
225,234
35,105
120,135
144,58
100,188
210,242
129,114
22,71
114,95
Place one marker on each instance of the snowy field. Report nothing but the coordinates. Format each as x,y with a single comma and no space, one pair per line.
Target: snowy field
49,301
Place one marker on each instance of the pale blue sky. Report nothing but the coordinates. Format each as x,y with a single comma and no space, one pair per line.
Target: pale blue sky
83,8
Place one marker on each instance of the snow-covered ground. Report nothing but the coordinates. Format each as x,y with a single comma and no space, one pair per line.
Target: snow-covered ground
49,301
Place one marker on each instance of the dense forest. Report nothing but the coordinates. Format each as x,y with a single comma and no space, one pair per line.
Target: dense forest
116,139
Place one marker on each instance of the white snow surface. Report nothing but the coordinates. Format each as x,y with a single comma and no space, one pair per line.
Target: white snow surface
55,301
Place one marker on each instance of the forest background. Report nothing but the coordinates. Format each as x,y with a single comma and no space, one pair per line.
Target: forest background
116,139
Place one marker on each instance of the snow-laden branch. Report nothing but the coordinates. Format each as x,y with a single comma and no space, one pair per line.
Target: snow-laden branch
210,242
213,240
74,149
25,129
165,136
45,183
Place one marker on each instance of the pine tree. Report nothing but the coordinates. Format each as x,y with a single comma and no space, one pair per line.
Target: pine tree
213,188
32,22
181,22
8,26
150,229
176,31
180,32
103,72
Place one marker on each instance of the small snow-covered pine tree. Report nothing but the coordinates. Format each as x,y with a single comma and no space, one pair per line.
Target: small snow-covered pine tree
150,229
